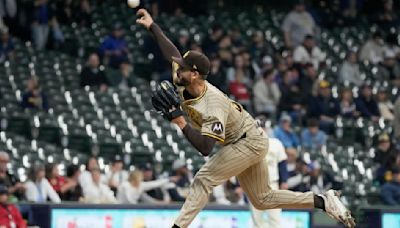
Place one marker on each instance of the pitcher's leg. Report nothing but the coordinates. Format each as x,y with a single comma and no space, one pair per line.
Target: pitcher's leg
257,217
229,161
254,181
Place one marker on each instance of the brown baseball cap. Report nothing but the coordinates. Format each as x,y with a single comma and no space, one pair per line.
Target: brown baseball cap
194,60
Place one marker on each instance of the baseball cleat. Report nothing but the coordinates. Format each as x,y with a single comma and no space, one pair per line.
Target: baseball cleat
336,210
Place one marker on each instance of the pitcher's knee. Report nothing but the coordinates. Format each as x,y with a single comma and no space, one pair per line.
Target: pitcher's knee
262,201
204,182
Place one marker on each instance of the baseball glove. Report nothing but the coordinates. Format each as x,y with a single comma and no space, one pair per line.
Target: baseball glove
166,101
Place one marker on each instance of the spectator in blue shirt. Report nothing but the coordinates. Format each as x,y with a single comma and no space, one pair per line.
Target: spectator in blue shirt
6,45
34,98
114,49
311,137
285,133
41,15
324,107
366,104
390,192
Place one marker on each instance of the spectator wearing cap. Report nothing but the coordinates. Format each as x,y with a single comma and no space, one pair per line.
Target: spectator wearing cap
160,194
34,97
373,50
116,175
134,189
309,52
312,137
385,105
9,213
15,187
386,157
366,104
390,191
38,189
95,191
297,24
92,75
114,49
74,190
285,133
299,176
349,70
389,69
7,49
180,192
324,107
321,182
266,94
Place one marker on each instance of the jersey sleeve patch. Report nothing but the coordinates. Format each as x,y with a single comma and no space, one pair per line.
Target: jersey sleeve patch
217,128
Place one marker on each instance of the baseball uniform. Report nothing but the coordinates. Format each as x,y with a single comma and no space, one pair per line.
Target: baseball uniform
276,154
242,155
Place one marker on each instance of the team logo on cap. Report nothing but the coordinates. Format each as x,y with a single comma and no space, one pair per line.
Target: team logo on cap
217,128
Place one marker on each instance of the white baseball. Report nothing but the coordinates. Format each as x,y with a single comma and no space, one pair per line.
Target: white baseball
133,3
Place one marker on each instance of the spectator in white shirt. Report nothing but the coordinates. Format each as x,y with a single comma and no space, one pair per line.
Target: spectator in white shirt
86,176
266,94
349,70
97,192
134,189
297,24
309,52
38,189
116,175
373,49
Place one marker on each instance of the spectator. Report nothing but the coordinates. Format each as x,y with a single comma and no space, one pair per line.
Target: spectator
396,121
321,182
258,46
73,190
34,97
55,179
386,107
239,70
266,94
217,76
390,192
86,176
324,107
156,193
125,78
134,189
97,192
384,152
40,23
210,43
92,75
83,13
297,24
347,105
114,49
229,193
309,82
183,42
299,177
366,104
373,49
15,187
116,175
311,137
38,189
179,169
239,91
7,50
309,52
292,102
9,213
392,45
389,69
349,70
285,133
388,18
